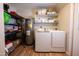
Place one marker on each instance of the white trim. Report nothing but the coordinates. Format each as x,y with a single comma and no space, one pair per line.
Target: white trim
70,30
68,53
2,35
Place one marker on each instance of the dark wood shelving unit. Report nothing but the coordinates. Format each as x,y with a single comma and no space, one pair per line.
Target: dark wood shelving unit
17,19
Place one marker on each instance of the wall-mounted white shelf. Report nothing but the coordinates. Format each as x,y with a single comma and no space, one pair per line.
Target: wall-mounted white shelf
43,23
48,15
47,21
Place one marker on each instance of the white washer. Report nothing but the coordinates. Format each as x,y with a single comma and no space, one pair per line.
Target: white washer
42,41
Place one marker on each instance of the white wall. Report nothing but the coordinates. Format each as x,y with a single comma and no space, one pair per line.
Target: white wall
24,12
65,18
11,8
76,31
2,37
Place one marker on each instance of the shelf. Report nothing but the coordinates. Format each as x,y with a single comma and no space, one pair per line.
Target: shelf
15,16
11,36
10,33
42,23
12,24
46,15
13,47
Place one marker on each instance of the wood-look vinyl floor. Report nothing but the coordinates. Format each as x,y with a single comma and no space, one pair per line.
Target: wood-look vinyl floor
29,51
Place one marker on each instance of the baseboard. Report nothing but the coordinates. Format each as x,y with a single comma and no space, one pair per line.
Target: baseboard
68,53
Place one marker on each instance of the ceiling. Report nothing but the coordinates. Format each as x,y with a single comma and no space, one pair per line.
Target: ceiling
36,5
25,9
32,5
